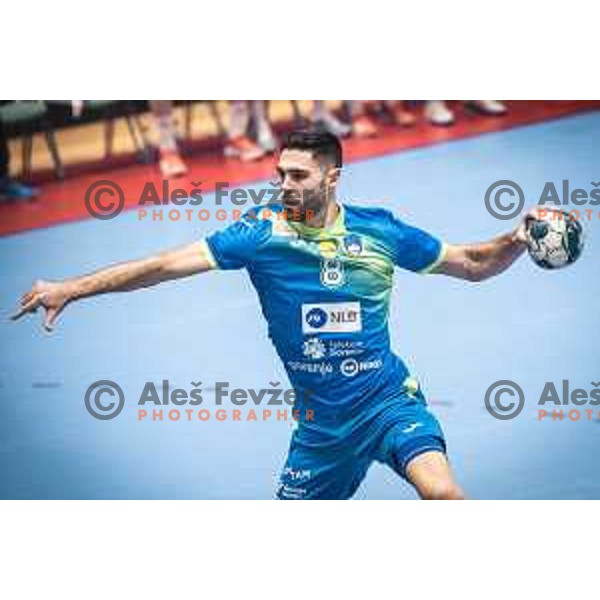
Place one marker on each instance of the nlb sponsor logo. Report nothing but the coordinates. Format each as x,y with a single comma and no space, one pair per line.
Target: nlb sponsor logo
335,317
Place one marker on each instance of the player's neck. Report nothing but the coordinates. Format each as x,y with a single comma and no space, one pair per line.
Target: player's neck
325,218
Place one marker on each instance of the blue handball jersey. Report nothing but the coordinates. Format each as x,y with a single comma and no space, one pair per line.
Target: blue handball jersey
325,294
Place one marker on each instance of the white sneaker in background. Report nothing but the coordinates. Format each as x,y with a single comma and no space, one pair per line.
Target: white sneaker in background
437,113
489,107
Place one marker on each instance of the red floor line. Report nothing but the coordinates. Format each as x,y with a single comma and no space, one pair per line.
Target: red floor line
63,201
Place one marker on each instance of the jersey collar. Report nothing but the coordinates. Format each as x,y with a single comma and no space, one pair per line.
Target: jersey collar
338,227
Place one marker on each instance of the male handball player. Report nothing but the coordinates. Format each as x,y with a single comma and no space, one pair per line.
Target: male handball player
324,283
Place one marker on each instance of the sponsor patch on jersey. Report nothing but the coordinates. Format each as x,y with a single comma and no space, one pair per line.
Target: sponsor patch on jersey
351,367
314,348
334,317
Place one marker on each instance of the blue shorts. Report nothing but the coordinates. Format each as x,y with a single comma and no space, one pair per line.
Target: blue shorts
322,473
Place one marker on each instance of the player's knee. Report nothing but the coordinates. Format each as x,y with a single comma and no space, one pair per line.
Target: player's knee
447,490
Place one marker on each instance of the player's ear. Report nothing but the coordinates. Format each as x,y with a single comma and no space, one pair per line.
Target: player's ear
332,175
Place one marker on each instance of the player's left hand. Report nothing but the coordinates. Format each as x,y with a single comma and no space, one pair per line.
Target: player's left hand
52,297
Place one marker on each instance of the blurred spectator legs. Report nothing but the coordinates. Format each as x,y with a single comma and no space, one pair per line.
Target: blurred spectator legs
262,126
487,107
363,126
321,117
10,188
171,163
250,136
438,113
239,145
399,113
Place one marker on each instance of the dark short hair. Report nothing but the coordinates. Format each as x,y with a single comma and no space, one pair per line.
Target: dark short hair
321,144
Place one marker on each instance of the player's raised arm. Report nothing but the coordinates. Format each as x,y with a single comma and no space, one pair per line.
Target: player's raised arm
476,262
173,264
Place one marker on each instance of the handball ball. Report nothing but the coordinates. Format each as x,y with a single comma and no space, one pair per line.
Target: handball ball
555,240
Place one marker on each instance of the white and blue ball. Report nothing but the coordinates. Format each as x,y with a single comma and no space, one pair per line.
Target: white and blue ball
555,240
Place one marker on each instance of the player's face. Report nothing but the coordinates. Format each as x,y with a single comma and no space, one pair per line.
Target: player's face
306,183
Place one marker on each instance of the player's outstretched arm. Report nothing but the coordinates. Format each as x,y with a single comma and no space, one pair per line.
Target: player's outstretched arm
476,262
173,264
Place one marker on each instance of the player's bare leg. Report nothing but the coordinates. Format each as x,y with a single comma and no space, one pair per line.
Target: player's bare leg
432,477
398,111
171,164
265,138
363,126
239,144
322,116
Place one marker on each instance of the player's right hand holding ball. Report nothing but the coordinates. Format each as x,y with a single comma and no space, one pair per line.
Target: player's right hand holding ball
554,238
